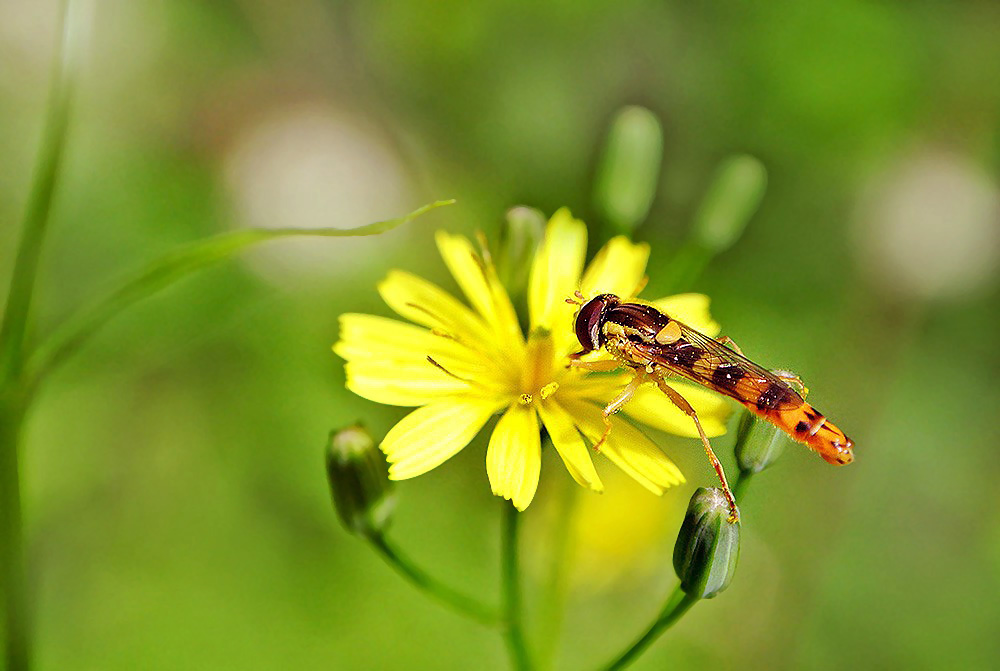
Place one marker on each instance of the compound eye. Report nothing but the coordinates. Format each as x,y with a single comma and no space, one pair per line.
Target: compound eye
588,323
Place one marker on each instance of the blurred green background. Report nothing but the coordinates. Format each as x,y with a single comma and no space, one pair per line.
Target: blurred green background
177,511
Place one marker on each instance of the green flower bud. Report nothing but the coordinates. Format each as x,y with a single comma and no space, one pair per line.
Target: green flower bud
732,198
359,481
629,170
758,443
708,545
519,238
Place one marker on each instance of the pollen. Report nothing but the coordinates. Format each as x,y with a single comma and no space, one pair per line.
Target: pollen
525,399
548,390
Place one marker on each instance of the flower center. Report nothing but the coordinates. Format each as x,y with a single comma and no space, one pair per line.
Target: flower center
539,376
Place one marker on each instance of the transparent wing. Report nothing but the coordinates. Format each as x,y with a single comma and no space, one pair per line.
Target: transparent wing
708,362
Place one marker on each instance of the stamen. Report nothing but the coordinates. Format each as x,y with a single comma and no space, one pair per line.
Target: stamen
446,371
548,390
426,312
525,399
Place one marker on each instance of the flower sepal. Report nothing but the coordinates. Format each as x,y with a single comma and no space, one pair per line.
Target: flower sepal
708,545
359,481
758,444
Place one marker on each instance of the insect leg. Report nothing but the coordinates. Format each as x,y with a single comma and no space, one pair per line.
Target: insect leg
730,343
598,366
616,404
685,407
793,380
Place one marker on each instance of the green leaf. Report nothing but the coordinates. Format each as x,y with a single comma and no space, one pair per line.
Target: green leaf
173,267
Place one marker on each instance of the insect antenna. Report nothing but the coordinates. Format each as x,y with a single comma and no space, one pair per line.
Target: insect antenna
579,300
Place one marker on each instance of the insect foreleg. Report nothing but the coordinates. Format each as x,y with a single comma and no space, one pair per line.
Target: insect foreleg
616,404
685,407
596,366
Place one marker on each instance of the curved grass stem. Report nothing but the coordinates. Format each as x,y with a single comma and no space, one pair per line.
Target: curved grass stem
14,392
173,267
460,603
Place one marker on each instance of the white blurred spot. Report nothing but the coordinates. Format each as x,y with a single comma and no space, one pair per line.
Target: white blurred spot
28,36
308,166
930,228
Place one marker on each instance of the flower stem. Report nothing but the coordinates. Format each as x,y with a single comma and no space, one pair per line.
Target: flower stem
36,215
553,599
741,484
433,587
511,590
14,392
678,604
17,650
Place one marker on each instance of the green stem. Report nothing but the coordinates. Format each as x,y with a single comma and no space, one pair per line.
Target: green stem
434,588
511,590
17,650
14,392
553,599
741,484
39,206
678,604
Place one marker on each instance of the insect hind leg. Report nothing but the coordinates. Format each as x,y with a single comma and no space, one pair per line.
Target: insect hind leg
793,380
685,407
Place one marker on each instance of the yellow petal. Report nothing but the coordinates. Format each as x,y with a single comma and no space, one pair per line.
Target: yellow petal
371,338
514,457
425,303
410,384
555,272
627,447
432,434
477,278
569,444
652,407
617,269
690,309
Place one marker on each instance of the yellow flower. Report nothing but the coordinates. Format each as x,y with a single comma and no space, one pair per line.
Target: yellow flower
486,366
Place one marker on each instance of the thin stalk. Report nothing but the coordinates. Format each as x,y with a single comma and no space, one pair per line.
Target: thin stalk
741,484
434,588
14,395
36,215
678,604
17,649
511,590
552,610
171,268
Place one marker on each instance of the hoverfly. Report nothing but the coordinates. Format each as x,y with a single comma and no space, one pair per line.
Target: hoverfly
655,347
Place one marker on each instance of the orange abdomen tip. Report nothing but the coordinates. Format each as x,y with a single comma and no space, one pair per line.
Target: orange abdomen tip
807,425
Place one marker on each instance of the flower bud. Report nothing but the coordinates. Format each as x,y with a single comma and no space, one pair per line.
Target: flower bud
758,444
732,198
629,170
519,238
708,545
359,481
